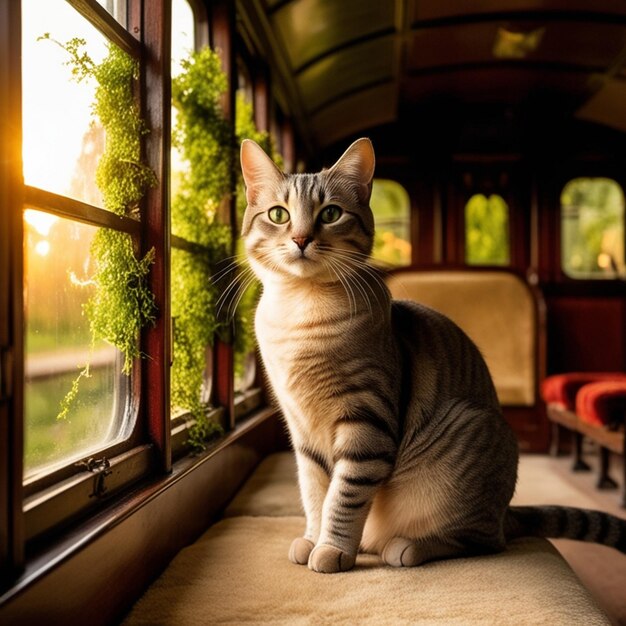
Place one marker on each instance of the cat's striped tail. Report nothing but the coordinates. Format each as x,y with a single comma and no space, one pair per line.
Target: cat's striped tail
567,523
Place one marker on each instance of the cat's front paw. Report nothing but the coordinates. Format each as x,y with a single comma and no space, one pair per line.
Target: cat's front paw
329,559
300,550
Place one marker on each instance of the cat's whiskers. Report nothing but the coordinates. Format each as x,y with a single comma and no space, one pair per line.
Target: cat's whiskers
239,260
356,280
246,283
349,293
361,260
235,289
347,280
354,265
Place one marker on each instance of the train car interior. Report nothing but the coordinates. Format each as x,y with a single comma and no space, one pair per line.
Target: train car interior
146,471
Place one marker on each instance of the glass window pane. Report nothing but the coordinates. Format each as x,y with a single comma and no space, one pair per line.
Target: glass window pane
61,143
183,34
58,346
592,229
487,230
117,8
183,43
392,212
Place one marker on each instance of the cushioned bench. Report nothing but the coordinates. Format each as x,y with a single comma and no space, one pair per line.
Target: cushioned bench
238,572
562,389
497,309
603,403
593,405
504,316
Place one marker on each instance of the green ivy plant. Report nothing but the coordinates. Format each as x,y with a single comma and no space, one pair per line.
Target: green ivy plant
122,303
203,137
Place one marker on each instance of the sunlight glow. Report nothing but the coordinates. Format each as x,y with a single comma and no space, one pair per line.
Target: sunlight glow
42,248
56,110
183,43
604,260
41,222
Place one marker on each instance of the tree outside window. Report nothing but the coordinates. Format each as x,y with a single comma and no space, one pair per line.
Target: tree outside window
487,230
592,229
392,213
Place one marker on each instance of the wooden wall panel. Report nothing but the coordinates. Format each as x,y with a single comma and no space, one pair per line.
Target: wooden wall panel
586,334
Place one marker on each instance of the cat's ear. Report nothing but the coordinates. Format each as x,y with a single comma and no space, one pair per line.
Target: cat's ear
358,163
257,168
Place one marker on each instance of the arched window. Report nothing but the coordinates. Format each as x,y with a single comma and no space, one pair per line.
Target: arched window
592,229
68,413
487,230
392,212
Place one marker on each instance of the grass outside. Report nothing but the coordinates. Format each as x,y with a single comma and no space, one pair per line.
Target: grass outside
48,439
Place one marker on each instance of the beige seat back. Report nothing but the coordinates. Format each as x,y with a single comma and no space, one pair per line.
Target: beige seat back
496,309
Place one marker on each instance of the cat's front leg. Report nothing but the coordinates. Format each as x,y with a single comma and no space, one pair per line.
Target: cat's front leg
364,455
314,478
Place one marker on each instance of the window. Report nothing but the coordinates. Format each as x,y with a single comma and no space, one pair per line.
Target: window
487,230
201,177
88,235
117,8
58,342
90,305
592,229
70,411
190,379
392,214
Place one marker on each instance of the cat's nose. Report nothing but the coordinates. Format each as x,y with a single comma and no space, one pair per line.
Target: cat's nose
302,242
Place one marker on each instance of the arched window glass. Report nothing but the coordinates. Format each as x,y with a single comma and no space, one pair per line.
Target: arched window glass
183,44
75,395
487,230
392,213
592,229
190,387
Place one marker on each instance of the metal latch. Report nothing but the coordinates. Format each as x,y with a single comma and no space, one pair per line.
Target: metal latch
100,468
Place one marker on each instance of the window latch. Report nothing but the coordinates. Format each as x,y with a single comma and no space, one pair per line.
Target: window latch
100,468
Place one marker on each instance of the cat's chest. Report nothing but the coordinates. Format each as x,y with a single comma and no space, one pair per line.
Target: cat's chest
287,342
304,346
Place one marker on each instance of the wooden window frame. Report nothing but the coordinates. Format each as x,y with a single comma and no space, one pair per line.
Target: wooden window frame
57,544
547,188
499,174
71,491
180,425
11,295
563,276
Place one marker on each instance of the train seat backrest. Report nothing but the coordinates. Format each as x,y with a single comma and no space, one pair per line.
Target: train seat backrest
497,309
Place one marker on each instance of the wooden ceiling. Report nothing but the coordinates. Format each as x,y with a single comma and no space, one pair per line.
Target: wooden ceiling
349,66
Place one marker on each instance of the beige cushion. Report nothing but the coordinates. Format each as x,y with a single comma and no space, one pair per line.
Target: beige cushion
496,309
271,490
238,573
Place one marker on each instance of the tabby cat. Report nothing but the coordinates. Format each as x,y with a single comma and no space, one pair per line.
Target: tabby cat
400,442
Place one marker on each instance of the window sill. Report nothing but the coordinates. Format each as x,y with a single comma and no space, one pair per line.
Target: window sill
108,560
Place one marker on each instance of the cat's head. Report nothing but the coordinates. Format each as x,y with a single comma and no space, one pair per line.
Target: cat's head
313,226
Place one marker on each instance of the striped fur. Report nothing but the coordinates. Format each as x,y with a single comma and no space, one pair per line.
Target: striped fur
400,443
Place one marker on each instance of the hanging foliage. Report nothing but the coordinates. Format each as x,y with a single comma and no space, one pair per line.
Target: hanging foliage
122,302
204,139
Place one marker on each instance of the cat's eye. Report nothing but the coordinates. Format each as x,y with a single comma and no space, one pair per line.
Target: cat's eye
278,215
330,214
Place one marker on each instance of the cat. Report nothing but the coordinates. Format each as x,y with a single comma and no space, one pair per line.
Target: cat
400,442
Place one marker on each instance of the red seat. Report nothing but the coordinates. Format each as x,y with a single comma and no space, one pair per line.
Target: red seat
561,389
602,403
593,405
